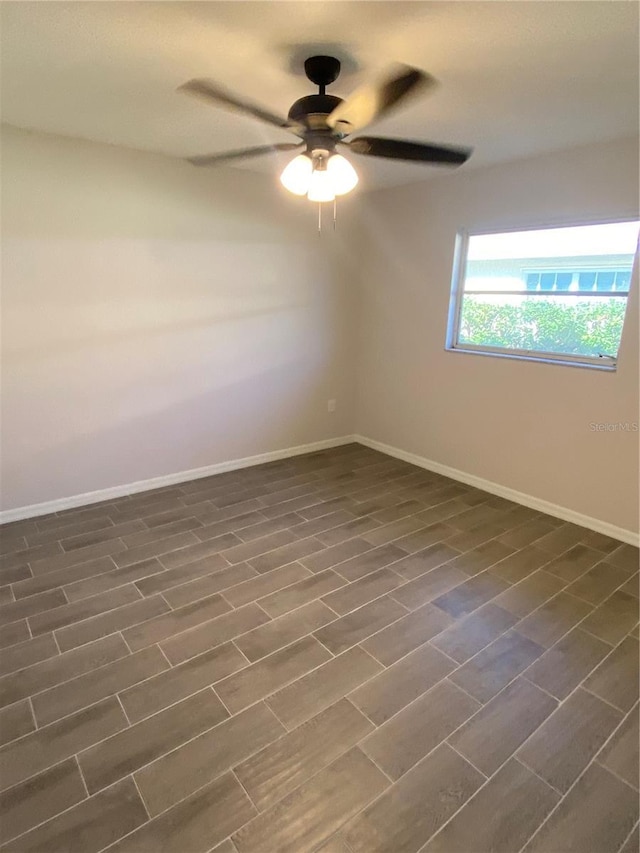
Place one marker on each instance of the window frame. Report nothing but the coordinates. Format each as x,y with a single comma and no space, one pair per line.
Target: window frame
459,269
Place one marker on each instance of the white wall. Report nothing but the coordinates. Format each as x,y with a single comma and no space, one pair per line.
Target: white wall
158,318
522,425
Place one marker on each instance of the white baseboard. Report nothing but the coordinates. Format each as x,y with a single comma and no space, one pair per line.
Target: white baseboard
422,462
166,480
504,492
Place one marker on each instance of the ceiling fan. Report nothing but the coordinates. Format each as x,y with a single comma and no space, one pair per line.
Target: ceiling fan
322,122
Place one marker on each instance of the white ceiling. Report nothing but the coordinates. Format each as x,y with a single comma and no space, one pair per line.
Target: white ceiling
516,78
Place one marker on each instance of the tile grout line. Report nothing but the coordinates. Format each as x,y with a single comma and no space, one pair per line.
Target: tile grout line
84,781
142,800
635,828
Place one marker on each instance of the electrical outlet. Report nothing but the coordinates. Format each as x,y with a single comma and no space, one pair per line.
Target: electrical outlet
331,405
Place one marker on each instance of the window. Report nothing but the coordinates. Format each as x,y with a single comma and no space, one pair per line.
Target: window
553,294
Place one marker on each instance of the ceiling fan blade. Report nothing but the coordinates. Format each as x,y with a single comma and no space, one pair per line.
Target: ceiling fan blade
403,149
374,100
241,154
220,96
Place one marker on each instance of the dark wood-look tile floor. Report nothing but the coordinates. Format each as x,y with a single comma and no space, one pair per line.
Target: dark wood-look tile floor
337,652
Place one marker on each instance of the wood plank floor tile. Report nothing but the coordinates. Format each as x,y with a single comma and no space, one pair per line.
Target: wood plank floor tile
393,531
596,815
169,686
407,634
369,561
128,750
401,683
196,824
34,604
15,721
598,583
362,591
483,556
527,595
171,577
39,750
280,632
490,737
362,623
76,573
40,798
424,537
206,636
264,585
466,637
166,625
82,540
286,554
616,679
405,739
309,695
85,690
410,812
500,818
468,596
574,563
526,534
121,618
282,766
621,753
15,632
55,670
315,810
249,550
60,617
429,586
111,578
291,597
203,587
567,663
182,771
28,653
565,744
625,557
614,618
89,826
554,619
418,563
349,530
269,674
331,556
561,539
484,675
72,558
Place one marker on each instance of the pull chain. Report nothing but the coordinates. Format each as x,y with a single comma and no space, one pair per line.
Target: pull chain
319,217
335,209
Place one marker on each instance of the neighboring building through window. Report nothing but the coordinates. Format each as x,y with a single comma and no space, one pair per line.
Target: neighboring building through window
556,294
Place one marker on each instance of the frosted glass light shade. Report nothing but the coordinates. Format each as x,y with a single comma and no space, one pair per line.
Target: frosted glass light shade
296,177
321,186
342,174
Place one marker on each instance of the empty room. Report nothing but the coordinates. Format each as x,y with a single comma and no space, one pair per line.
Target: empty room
319,516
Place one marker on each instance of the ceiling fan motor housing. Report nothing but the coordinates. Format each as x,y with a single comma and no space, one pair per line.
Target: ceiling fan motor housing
312,110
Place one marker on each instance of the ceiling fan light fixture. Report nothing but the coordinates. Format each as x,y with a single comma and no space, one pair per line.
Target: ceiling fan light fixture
321,176
321,186
342,174
296,176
